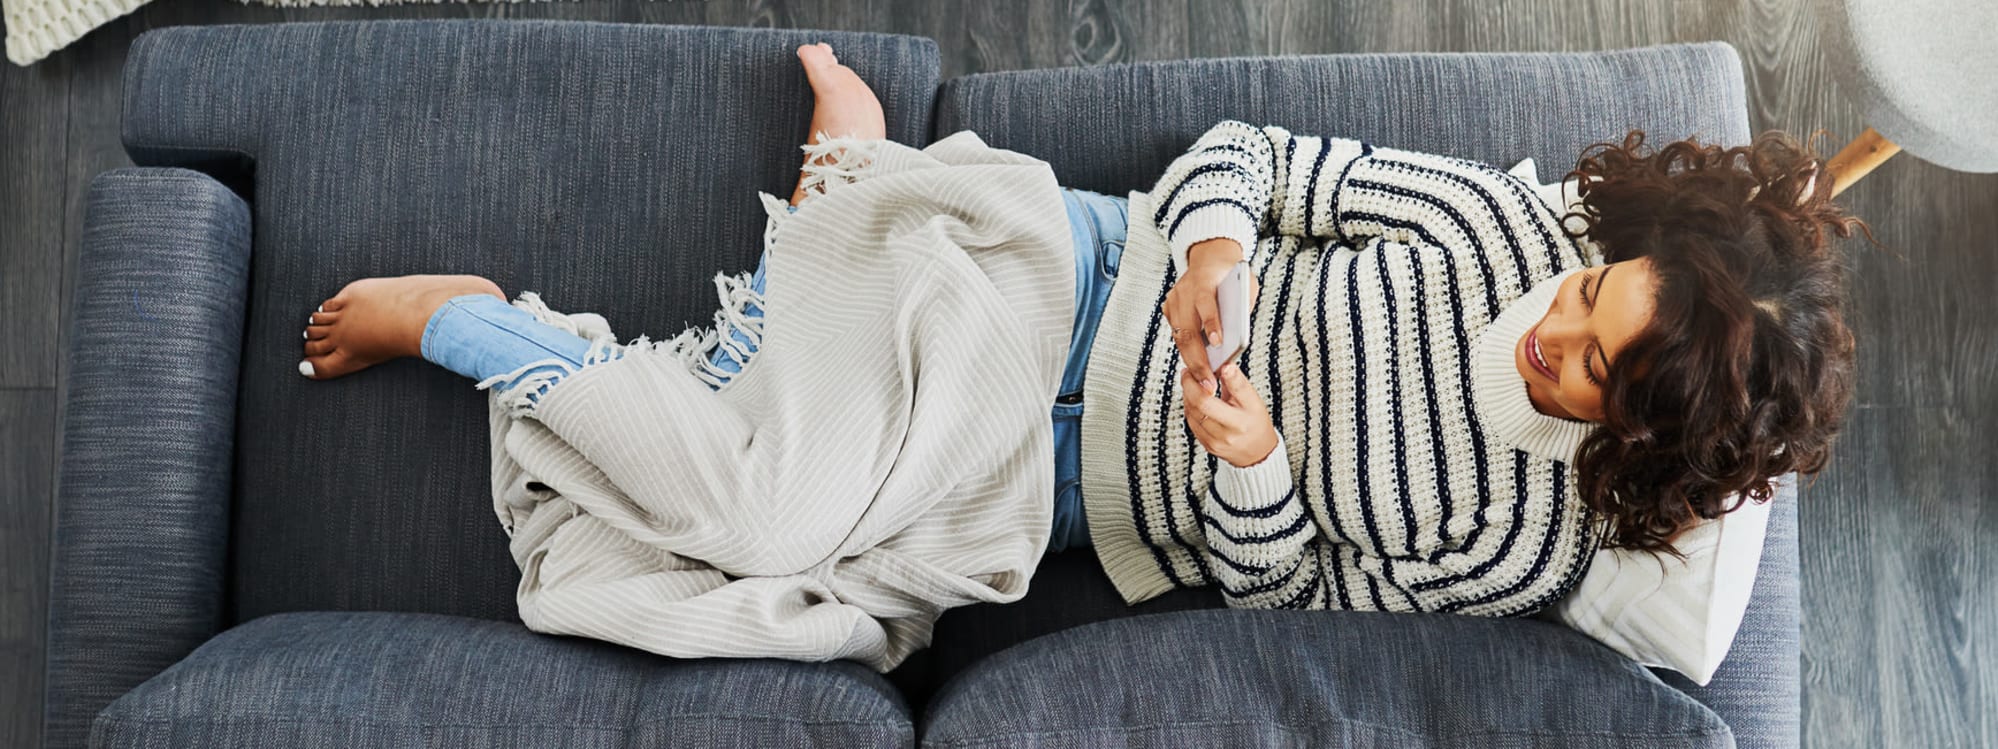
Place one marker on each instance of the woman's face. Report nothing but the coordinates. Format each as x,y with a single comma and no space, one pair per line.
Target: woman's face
1597,311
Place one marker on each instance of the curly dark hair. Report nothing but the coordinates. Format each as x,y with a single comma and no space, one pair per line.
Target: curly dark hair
1745,370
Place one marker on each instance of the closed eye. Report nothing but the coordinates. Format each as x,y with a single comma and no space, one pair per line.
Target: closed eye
1588,368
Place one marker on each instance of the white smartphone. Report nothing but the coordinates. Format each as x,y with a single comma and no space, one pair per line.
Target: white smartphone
1232,298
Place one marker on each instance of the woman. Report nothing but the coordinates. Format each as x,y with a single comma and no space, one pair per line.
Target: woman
1476,396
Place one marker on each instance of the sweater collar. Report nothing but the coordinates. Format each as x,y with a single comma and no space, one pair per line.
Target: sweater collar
1500,394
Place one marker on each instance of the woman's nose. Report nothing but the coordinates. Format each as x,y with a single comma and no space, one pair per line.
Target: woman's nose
1557,335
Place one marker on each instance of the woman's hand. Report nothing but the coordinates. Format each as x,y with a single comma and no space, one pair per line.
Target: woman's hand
1192,307
1235,428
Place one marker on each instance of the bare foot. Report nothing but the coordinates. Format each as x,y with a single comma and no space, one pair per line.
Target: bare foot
845,105
373,320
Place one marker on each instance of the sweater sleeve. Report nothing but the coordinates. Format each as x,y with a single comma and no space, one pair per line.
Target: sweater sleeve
1237,181
1221,187
1253,523
1269,552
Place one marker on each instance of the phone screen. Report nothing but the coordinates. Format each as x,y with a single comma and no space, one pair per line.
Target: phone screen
1220,387
1233,302
1232,353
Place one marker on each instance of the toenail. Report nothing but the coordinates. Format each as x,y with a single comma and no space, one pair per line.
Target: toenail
305,367
305,335
322,308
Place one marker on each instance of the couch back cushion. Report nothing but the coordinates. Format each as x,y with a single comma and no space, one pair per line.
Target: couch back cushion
610,167
1114,128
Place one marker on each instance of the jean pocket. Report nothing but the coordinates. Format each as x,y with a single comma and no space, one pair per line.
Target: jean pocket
1068,404
1067,421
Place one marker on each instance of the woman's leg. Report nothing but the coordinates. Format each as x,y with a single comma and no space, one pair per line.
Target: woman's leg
732,351
481,337
373,320
459,322
464,324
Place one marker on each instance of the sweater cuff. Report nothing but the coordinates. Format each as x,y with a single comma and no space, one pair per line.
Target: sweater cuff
1258,484
1208,222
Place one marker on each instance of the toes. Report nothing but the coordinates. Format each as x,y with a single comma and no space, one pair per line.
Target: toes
327,366
322,318
320,347
335,303
816,56
316,332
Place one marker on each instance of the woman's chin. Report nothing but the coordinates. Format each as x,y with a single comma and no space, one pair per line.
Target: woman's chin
1544,402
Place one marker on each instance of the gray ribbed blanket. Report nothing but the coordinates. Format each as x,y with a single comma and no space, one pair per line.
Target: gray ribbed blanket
887,453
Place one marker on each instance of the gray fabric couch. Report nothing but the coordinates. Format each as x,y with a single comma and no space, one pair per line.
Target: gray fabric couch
244,557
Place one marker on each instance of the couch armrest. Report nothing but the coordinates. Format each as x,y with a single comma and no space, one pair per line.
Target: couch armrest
142,503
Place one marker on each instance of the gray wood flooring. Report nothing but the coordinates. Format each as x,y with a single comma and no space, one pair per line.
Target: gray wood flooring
1900,573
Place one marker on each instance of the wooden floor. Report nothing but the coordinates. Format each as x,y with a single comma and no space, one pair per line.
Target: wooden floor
1900,573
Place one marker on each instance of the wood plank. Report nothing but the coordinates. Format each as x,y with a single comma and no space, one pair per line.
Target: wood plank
33,186
1013,36
1235,29
27,463
1928,377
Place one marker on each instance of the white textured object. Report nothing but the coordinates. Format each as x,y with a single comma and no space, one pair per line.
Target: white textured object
1919,72
1661,611
887,455
1655,608
37,28
1560,195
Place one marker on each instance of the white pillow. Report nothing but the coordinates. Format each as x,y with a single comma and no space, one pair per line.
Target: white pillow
1660,611
1561,196
1654,608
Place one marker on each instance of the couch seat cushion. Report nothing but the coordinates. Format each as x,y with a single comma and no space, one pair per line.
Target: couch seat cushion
372,678
1247,678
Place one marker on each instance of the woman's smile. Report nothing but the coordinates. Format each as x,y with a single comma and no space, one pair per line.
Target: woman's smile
1536,356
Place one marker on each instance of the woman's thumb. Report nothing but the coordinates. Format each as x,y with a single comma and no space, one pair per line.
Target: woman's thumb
1238,382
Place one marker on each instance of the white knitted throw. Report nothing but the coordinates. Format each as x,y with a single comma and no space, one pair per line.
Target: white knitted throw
885,456
37,28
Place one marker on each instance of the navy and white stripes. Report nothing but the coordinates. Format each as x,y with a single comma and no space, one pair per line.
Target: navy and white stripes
1399,481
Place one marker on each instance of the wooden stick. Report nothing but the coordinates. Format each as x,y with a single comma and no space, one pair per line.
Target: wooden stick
1859,157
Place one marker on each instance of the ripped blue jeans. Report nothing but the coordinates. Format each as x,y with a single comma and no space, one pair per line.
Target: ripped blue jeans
482,336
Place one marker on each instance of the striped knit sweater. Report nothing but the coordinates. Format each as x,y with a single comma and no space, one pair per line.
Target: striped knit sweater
1412,472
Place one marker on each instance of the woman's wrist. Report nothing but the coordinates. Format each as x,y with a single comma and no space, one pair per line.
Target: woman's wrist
1217,250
